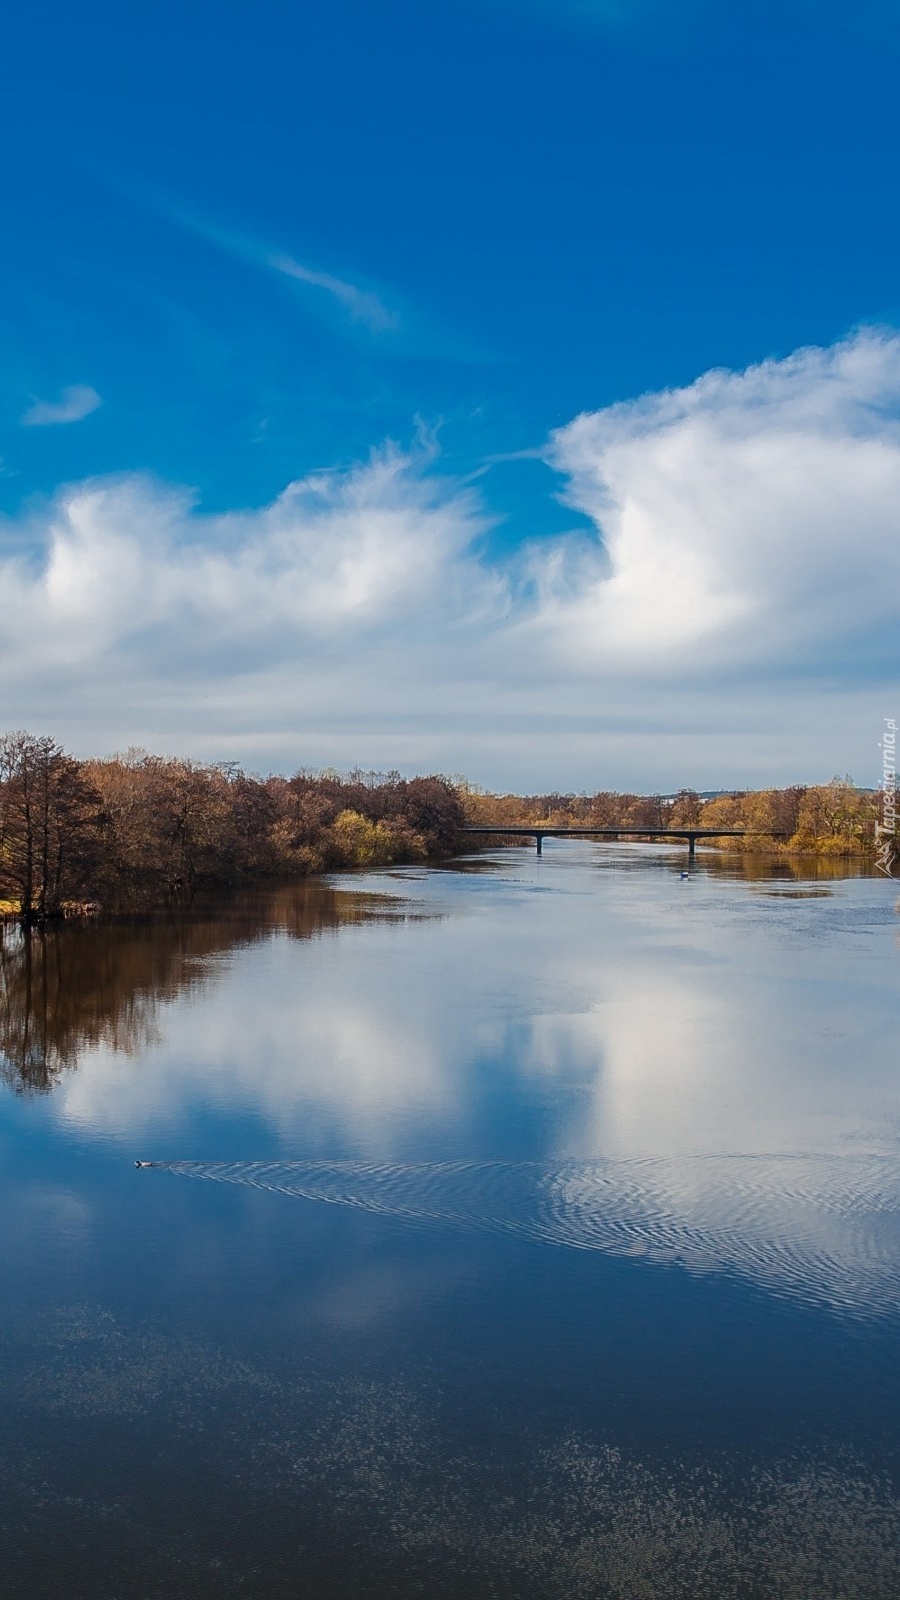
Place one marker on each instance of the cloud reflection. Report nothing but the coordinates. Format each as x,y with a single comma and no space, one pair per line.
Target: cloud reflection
545,1012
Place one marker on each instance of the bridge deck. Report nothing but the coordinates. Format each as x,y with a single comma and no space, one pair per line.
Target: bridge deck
540,831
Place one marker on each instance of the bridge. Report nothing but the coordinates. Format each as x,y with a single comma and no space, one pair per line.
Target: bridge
540,831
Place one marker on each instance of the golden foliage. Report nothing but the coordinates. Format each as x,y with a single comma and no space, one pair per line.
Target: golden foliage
833,819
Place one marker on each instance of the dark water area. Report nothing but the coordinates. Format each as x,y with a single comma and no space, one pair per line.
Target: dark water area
524,1229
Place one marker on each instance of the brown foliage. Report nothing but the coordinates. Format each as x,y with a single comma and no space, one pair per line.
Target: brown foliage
139,828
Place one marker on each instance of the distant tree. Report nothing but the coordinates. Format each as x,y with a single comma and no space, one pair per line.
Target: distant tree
606,809
686,811
725,811
646,812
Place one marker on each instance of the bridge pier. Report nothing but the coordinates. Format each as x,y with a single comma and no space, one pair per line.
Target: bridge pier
692,846
539,841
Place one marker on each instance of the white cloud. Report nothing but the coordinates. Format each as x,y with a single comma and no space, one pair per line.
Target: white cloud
733,620
335,556
752,518
73,405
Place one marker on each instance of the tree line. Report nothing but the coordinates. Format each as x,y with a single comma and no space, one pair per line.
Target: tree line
139,829
832,819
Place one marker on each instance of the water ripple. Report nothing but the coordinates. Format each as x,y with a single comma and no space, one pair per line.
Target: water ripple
819,1228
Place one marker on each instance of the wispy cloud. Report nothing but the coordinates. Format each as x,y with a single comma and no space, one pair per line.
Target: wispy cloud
73,405
362,305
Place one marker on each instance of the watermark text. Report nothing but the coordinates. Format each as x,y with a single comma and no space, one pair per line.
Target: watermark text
886,826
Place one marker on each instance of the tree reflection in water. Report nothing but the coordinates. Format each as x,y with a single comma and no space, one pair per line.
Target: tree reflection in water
72,987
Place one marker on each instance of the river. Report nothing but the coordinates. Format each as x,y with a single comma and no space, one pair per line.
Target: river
529,1229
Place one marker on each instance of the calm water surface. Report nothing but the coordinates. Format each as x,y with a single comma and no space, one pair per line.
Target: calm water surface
526,1230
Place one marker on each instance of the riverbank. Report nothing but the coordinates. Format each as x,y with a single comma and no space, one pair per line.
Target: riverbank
138,830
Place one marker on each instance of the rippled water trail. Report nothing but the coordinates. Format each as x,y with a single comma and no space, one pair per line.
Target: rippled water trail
822,1228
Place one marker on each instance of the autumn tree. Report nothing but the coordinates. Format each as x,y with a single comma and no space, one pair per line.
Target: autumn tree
647,812
724,811
606,809
51,826
175,823
687,810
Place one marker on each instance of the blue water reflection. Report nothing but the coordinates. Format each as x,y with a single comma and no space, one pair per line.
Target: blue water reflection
576,1268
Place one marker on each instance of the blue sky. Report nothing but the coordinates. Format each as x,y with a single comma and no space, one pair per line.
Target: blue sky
391,253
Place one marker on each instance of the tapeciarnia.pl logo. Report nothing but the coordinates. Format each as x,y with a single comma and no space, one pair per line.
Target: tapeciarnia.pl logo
886,827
